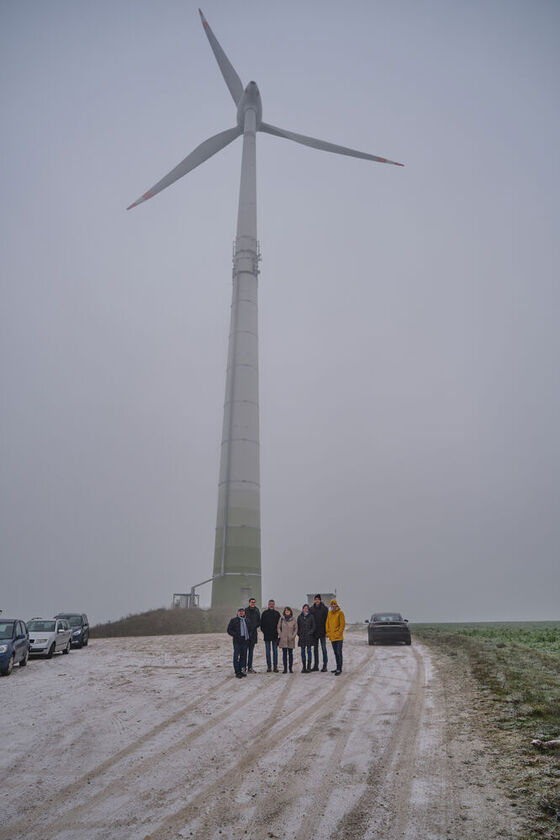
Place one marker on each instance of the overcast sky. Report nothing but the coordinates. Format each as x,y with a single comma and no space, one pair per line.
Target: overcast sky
409,339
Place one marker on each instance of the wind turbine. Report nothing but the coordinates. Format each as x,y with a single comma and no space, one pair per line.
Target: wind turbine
237,554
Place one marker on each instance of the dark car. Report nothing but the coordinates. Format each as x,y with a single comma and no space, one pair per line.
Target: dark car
79,626
388,627
14,644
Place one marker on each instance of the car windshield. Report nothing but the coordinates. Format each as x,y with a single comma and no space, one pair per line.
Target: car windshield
387,617
6,629
41,626
73,620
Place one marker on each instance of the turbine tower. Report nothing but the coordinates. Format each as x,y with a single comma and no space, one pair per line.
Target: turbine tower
237,555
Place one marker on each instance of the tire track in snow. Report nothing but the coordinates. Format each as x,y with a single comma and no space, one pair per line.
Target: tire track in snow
271,732
114,789
315,808
314,775
80,784
396,757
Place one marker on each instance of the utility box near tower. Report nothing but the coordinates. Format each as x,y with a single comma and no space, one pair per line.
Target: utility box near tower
185,600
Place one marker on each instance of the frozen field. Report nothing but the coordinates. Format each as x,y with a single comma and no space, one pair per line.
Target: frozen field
154,738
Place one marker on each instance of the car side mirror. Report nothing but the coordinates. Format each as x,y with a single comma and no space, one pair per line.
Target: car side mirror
406,619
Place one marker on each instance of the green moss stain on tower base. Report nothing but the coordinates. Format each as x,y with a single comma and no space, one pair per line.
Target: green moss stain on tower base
234,591
242,578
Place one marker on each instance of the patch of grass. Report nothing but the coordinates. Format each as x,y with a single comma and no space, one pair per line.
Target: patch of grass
517,669
518,664
542,636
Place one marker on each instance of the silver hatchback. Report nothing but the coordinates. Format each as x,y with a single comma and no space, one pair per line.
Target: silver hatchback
48,636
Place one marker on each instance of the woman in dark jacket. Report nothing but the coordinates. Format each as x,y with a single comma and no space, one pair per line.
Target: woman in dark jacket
306,633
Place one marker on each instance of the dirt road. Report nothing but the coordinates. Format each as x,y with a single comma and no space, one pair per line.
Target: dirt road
153,738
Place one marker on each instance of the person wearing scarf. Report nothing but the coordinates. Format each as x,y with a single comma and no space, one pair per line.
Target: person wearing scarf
287,630
240,632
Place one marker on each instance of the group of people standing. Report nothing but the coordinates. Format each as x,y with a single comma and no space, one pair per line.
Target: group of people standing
312,627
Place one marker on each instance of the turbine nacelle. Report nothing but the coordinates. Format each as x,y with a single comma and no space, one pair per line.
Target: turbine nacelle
250,101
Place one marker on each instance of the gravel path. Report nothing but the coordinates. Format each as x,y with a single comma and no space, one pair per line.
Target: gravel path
154,738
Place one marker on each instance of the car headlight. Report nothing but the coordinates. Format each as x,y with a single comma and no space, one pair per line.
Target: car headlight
76,632
3,648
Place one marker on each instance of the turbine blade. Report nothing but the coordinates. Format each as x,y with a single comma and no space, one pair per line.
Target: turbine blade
199,155
231,78
321,144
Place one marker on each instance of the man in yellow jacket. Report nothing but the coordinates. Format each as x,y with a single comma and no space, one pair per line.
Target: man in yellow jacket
335,632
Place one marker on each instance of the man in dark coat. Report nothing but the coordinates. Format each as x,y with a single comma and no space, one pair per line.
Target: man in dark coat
238,629
253,619
269,627
319,611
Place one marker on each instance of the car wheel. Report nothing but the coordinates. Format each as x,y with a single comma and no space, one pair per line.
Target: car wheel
49,655
408,642
86,640
9,667
23,662
370,641
67,648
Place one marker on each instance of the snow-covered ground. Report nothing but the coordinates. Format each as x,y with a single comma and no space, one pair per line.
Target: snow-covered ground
154,738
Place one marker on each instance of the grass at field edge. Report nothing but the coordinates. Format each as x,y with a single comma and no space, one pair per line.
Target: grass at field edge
516,669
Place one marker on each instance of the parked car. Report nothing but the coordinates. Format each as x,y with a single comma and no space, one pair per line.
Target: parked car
388,627
14,644
79,625
49,635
